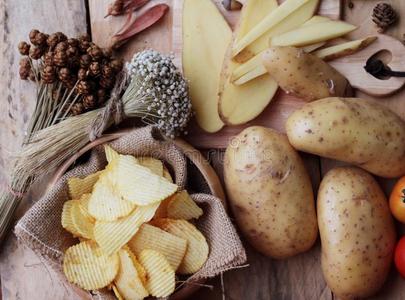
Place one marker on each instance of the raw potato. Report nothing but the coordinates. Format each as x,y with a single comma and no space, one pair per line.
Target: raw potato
311,34
270,193
240,104
357,233
204,47
344,49
295,19
353,130
303,74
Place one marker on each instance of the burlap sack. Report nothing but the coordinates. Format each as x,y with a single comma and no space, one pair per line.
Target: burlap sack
40,229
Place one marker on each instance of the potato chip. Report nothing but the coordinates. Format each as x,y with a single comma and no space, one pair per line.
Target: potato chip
139,185
183,207
138,266
197,247
79,186
111,236
84,205
117,293
166,174
67,221
154,165
110,153
105,204
162,209
161,278
128,282
154,238
87,266
83,224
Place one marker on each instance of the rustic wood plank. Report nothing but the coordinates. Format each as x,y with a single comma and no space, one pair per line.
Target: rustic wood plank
23,274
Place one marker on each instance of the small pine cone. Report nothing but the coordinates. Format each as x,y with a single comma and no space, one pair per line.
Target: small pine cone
61,46
82,74
61,36
102,96
73,42
31,76
52,41
36,52
106,82
64,74
48,58
116,65
77,109
94,68
83,87
48,74
95,52
60,59
107,70
24,48
384,16
107,52
33,36
40,39
89,102
85,61
24,72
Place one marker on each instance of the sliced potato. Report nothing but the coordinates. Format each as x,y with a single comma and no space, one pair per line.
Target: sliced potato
79,186
153,164
183,207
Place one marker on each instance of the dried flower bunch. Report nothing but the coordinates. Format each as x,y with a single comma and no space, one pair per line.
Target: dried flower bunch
69,66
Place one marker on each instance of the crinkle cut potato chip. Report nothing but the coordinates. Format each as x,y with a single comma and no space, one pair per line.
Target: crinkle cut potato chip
162,210
182,206
197,246
82,223
153,164
128,282
79,186
117,293
111,236
87,266
67,221
105,204
84,205
161,278
154,238
110,153
139,185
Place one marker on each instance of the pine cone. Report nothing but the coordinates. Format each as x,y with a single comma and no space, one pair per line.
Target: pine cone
48,58
117,65
89,102
77,109
85,61
60,59
48,74
95,52
384,16
36,52
24,48
94,68
83,87
33,36
64,74
82,74
61,46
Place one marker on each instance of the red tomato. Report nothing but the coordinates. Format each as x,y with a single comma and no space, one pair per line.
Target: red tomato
397,200
400,256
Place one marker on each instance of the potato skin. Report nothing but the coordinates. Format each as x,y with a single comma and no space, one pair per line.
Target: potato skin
352,130
304,75
357,233
270,193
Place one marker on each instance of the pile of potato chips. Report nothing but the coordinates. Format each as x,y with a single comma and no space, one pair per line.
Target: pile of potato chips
134,229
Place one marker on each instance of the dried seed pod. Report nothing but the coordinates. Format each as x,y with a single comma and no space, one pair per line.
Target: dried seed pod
74,62
24,72
61,46
77,109
102,96
52,41
40,39
83,87
384,16
36,52
31,76
89,101
25,62
64,74
24,48
85,61
61,36
116,64
84,45
84,37
33,35
106,82
95,52
72,51
73,42
71,82
48,74
48,58
94,68
107,70
82,74
60,59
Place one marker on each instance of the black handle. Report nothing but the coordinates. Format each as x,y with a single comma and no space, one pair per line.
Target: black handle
378,69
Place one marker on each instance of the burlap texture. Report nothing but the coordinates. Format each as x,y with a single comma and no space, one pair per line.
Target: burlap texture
40,229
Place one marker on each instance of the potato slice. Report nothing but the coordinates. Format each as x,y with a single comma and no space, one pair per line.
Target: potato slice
161,278
197,247
128,282
110,153
83,224
87,266
153,164
111,236
183,207
79,186
67,220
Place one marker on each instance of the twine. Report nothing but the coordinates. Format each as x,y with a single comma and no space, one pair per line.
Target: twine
114,109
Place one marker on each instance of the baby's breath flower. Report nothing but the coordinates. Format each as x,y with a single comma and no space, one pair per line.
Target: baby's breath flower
162,92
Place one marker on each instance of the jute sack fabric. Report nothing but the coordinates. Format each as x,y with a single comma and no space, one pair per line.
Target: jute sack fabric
40,228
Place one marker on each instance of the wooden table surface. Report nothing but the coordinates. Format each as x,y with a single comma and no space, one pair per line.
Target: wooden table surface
24,276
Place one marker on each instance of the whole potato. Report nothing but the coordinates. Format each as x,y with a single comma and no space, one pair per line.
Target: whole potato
357,233
270,193
352,130
304,75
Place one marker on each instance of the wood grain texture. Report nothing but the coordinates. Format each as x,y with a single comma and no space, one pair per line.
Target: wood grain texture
23,275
